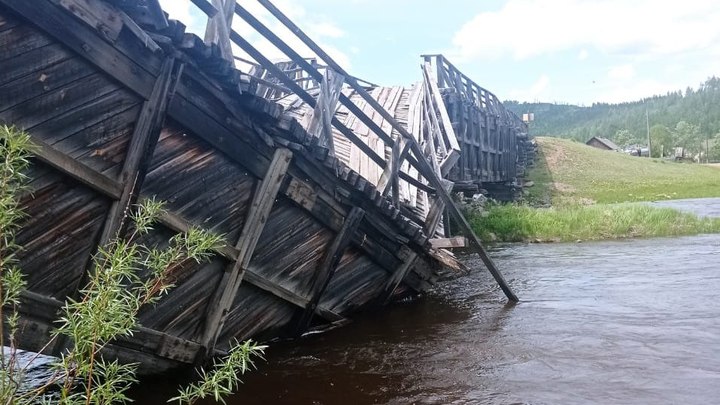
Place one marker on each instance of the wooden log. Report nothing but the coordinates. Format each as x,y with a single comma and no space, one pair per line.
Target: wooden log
327,267
447,243
254,224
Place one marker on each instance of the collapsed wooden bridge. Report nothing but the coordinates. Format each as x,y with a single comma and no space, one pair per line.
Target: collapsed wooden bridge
329,192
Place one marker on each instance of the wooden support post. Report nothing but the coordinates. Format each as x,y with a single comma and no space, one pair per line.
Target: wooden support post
327,267
467,230
319,121
142,144
218,28
389,177
423,165
262,203
436,211
140,150
394,281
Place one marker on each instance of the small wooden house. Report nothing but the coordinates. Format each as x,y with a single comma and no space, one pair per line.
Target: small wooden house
602,143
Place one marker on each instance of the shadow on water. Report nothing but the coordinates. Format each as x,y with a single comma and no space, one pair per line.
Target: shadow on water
622,322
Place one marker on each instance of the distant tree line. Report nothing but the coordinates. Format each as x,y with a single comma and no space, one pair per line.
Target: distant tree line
689,119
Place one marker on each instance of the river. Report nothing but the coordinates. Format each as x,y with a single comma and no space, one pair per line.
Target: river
621,322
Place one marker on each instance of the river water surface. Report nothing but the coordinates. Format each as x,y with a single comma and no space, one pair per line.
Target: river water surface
619,322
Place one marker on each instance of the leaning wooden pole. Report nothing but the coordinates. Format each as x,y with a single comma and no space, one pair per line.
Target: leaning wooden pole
424,166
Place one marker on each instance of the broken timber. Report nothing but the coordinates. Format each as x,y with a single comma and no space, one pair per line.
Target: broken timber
327,195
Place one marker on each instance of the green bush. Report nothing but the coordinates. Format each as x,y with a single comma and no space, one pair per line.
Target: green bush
107,308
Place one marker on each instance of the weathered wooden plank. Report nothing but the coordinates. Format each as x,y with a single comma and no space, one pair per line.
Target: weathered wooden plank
96,13
318,122
32,62
218,27
19,40
82,39
328,266
253,227
447,243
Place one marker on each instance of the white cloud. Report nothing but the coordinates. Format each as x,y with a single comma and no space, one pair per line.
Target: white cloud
320,29
635,91
622,72
583,54
527,28
534,92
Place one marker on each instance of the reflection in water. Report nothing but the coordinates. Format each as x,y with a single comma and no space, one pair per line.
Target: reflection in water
634,321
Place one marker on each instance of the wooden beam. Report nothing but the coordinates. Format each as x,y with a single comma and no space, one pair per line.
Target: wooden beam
447,243
258,213
390,173
327,267
142,144
394,281
423,165
436,211
78,171
205,7
319,122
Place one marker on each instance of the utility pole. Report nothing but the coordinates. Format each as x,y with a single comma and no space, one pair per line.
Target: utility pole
647,123
707,149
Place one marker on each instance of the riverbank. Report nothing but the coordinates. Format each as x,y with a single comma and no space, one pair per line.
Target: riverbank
583,193
520,223
574,173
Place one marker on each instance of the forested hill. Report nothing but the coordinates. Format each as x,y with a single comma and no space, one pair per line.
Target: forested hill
695,110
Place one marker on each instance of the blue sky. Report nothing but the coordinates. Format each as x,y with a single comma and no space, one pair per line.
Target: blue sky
567,51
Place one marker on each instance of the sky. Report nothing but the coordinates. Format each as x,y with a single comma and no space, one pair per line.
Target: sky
562,51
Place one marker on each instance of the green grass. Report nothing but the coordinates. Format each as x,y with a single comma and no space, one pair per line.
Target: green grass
577,173
589,189
514,223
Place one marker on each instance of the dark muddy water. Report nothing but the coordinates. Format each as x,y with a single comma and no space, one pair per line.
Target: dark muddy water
621,322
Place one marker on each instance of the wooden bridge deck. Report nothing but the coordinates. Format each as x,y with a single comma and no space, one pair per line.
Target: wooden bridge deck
124,113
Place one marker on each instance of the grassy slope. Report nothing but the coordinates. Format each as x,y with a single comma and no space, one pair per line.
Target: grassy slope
581,181
582,174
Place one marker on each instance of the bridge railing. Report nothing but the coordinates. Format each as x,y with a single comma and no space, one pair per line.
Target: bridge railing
302,76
